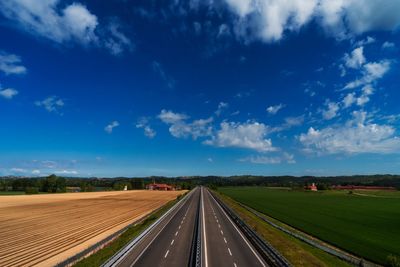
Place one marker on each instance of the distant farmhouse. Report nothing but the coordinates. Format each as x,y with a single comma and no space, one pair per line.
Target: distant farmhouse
311,187
160,187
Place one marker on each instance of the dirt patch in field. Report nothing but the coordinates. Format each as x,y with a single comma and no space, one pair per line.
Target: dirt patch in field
46,229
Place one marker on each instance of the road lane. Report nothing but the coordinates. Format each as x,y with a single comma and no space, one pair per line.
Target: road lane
226,245
170,243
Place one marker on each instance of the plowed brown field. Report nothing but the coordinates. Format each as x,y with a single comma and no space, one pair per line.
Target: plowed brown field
46,229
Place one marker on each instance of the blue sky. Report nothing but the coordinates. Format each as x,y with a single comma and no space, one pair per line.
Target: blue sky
225,87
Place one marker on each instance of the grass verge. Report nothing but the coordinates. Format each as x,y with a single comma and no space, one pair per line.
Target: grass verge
295,251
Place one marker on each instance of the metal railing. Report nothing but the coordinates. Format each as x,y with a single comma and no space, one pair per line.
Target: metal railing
266,250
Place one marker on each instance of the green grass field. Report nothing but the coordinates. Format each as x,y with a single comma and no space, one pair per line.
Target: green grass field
11,193
367,225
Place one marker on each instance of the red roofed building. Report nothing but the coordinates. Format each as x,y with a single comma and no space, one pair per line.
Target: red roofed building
311,187
161,187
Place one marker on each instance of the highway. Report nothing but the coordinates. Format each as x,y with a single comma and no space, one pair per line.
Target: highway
195,232
224,243
169,244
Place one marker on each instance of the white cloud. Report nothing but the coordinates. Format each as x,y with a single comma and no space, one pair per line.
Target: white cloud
143,123
117,42
371,72
356,59
354,137
180,128
51,104
294,121
11,64
8,93
368,40
249,135
221,107
274,109
18,170
109,128
331,111
349,100
168,116
388,45
63,23
270,20
157,68
285,157
223,31
36,172
67,172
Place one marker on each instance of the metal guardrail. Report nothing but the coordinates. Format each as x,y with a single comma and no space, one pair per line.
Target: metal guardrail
118,257
356,261
266,250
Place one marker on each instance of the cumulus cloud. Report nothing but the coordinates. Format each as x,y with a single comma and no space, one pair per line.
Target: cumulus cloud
143,123
51,104
361,100
285,157
62,23
354,137
388,45
274,109
11,64
181,128
168,116
8,93
371,72
221,107
110,127
270,20
356,59
249,135
331,110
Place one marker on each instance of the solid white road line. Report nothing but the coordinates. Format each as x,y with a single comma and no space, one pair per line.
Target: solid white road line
166,254
204,230
244,239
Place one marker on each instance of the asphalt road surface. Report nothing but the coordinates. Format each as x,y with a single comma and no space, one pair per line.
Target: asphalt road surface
170,242
224,244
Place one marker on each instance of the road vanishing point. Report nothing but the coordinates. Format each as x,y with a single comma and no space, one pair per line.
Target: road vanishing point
197,231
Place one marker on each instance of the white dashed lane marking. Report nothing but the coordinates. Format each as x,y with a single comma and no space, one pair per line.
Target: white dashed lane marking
166,254
173,240
225,240
176,233
229,250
